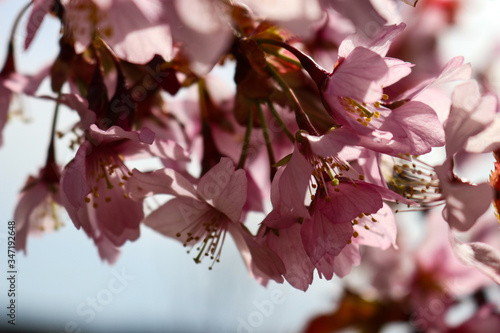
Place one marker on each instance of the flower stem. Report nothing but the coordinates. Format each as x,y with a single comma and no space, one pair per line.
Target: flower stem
283,126
267,139
300,115
246,141
51,173
9,66
317,73
285,58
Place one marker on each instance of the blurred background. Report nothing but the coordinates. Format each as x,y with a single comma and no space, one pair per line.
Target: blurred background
62,285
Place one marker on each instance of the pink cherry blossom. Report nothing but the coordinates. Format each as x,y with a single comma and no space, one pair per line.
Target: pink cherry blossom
205,213
469,115
347,204
295,15
95,188
201,27
353,94
132,28
38,12
37,209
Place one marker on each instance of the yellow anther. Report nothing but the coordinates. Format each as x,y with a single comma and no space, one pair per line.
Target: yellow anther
376,104
385,97
355,234
87,199
361,177
367,227
376,114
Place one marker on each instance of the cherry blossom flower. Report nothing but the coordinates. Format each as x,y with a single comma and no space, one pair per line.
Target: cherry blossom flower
202,29
37,208
133,29
94,188
470,114
5,96
205,213
295,15
354,96
12,83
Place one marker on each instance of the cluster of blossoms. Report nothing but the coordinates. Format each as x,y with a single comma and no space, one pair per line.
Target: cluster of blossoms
324,121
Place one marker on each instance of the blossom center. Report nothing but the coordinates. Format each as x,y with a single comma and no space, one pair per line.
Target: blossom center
107,177
210,229
361,112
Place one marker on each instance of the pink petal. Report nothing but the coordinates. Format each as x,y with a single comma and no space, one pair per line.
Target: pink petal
115,133
27,202
422,127
411,2
470,114
140,46
379,43
358,77
163,181
293,184
287,245
80,105
73,178
27,84
350,256
37,15
480,255
381,233
351,200
261,261
107,251
5,96
224,188
321,235
277,219
398,69
486,141
332,142
465,202
201,27
177,215
341,264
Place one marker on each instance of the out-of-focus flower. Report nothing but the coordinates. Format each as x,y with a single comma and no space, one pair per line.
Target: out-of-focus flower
37,208
470,114
5,93
133,29
295,15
